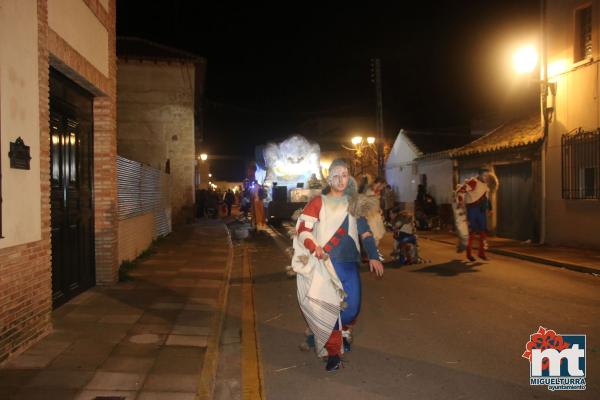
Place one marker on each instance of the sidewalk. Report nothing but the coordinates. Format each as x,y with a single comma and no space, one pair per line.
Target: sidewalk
148,338
564,257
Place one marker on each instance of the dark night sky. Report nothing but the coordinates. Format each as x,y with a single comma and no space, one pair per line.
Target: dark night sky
272,67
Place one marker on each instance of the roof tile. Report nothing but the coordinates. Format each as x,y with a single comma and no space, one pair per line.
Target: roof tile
518,133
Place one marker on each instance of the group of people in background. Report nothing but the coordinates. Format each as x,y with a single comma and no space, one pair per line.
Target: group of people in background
211,203
250,197
473,196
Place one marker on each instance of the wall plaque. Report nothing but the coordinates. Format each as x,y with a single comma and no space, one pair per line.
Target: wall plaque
19,154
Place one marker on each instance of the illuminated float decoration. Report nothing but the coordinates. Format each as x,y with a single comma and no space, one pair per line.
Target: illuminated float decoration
292,162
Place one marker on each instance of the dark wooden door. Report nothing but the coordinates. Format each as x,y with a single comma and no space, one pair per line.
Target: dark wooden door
515,201
71,194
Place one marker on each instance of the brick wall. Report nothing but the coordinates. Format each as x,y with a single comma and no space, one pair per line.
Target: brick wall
99,11
105,190
25,284
105,168
71,63
25,270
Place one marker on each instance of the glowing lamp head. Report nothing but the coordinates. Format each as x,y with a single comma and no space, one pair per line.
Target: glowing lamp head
357,140
204,156
525,59
370,140
210,175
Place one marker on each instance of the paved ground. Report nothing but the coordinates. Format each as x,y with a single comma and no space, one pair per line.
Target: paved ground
229,374
584,260
443,330
144,339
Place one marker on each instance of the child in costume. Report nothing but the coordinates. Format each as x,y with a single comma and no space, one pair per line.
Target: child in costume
405,238
326,259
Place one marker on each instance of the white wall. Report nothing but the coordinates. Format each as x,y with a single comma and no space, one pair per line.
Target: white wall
135,236
570,222
439,178
76,23
19,116
400,172
402,152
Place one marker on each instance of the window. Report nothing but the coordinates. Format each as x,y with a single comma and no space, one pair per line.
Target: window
589,182
583,33
581,165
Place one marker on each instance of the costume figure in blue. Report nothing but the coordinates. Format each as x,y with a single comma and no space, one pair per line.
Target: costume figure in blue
476,195
326,228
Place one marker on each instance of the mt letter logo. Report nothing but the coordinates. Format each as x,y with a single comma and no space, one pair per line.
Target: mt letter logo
557,361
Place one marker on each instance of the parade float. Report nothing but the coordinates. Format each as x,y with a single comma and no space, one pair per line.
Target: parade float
290,171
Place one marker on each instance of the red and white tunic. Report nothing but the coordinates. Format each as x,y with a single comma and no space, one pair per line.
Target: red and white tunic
473,191
321,219
319,290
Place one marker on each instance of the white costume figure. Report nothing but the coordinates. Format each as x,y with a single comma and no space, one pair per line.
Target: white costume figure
326,256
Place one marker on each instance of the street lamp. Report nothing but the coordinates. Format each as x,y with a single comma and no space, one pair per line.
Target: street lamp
356,140
525,59
360,147
203,168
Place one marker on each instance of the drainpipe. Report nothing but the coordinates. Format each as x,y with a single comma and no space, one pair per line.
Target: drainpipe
544,106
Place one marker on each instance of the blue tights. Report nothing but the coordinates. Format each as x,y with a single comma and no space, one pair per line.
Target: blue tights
350,277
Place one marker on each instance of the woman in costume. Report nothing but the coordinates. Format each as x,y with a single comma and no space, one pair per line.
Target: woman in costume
326,257
258,206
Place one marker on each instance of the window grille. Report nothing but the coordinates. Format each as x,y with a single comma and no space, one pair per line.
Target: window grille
583,32
581,165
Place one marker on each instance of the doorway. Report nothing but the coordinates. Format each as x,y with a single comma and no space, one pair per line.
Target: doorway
71,210
515,201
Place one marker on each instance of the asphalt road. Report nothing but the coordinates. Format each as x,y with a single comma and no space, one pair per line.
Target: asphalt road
441,330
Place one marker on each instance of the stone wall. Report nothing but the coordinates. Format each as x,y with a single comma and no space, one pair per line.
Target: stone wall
156,124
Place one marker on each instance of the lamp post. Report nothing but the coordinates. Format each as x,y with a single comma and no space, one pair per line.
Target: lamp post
376,80
361,148
525,61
